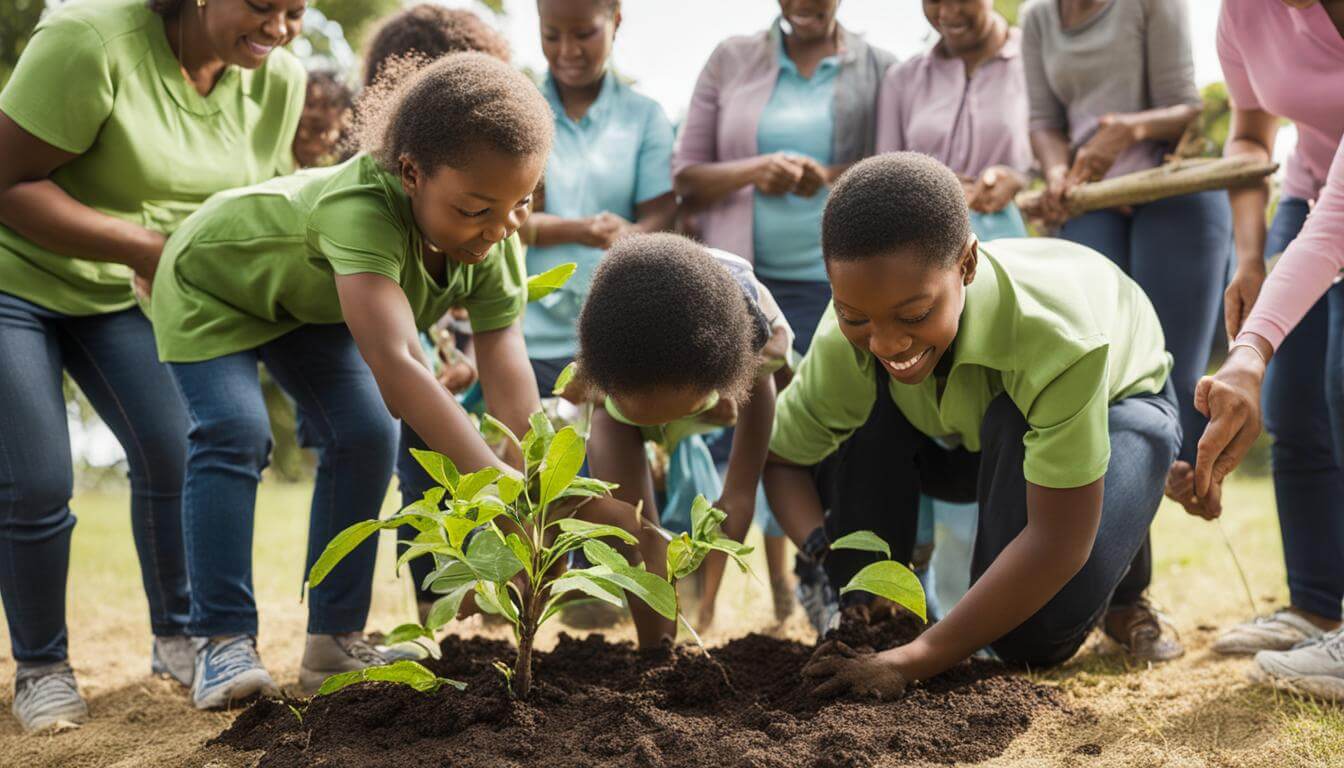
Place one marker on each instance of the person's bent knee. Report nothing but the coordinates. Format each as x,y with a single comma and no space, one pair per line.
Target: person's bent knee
238,440
37,502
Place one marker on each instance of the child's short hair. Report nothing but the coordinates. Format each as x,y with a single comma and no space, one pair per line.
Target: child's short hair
900,200
327,89
453,108
662,313
430,32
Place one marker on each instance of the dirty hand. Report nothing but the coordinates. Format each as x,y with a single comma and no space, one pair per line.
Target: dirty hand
1096,157
1231,400
815,176
458,376
1241,294
1052,209
777,173
994,190
836,669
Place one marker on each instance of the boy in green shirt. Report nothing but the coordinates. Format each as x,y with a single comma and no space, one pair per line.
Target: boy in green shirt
1029,375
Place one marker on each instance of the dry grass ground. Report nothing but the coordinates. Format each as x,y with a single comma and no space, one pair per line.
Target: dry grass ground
1199,711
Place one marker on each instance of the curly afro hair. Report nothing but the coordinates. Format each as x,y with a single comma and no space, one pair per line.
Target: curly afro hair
430,32
663,313
449,110
900,200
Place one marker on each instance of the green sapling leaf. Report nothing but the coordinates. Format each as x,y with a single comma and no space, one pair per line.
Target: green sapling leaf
562,381
405,672
866,541
564,457
490,557
893,581
539,286
438,467
445,608
594,530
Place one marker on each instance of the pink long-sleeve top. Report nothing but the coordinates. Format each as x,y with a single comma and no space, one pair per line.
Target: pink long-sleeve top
927,104
1290,62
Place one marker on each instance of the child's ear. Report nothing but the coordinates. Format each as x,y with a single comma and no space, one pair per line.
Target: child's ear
410,175
970,259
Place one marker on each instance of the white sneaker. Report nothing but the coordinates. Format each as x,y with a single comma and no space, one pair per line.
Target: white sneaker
45,696
1280,631
1315,669
327,655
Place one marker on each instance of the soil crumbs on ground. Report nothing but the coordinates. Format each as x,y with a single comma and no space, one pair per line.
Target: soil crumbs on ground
595,703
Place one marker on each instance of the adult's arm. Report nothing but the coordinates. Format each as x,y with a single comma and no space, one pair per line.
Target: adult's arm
39,210
381,321
1251,135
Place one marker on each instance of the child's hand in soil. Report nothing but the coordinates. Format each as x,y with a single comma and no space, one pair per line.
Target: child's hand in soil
838,669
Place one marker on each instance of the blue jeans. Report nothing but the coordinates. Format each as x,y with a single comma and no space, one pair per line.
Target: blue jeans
343,418
1178,251
874,481
1308,483
112,359
803,302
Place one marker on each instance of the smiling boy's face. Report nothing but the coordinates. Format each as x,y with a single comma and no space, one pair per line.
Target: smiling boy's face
465,211
901,309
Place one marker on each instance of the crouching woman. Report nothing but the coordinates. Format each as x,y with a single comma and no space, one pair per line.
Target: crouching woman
1032,379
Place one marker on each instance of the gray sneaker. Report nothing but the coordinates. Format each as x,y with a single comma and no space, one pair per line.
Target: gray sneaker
1280,631
175,656
46,696
815,593
228,671
327,655
1313,668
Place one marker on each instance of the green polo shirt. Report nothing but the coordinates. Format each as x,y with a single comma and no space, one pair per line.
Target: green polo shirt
99,80
255,263
1053,324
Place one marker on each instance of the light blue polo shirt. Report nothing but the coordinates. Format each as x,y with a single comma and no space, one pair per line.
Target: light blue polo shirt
799,118
617,156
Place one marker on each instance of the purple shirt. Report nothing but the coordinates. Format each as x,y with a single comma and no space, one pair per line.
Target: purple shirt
927,104
730,95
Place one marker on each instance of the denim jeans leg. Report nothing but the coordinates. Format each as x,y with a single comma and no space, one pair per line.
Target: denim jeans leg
113,360
355,437
1308,482
1144,435
228,445
36,480
803,302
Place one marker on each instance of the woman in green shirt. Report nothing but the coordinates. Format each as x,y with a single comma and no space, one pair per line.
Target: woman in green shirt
118,121
327,278
1027,375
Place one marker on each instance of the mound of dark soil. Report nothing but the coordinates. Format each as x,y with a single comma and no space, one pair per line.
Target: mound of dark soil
596,703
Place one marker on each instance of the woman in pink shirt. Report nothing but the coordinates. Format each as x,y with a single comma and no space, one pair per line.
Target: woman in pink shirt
1286,59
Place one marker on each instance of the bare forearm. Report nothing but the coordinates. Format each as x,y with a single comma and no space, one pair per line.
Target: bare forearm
701,186
1051,148
751,445
45,214
507,381
793,499
549,229
656,215
1160,124
1248,206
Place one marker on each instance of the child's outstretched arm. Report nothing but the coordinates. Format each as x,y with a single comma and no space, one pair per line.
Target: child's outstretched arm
751,444
506,378
380,319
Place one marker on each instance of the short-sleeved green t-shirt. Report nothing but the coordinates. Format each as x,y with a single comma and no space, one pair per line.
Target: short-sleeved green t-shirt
255,263
99,79
1055,325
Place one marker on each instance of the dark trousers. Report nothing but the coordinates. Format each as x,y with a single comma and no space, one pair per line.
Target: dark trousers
874,481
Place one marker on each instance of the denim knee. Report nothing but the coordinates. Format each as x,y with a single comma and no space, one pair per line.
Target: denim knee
237,440
37,503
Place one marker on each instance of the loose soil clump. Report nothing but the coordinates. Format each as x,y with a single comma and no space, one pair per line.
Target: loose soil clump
595,703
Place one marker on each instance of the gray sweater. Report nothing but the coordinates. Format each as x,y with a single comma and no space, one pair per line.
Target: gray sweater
1131,56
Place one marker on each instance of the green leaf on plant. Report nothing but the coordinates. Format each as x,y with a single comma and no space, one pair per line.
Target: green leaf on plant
345,542
438,467
893,581
405,672
494,598
421,548
445,608
495,431
654,590
562,381
601,553
449,577
509,488
490,558
470,486
594,530
684,556
705,519
406,633
564,457
457,529
521,549
549,281
866,541
588,584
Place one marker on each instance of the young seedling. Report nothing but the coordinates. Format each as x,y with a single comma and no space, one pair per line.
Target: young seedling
502,538
885,578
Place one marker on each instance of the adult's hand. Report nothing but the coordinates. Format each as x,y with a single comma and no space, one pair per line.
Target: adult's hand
777,173
994,189
1241,294
813,179
1114,135
1231,400
836,669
